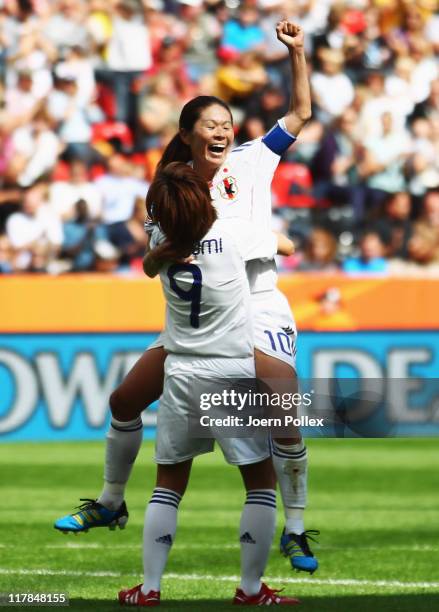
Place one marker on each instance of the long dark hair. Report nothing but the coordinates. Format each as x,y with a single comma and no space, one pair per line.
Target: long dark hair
177,150
179,201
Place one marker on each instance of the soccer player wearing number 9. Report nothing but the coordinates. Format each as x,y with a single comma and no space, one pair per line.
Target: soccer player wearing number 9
209,335
205,312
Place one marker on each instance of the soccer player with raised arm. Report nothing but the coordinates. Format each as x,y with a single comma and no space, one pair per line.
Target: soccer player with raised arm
239,181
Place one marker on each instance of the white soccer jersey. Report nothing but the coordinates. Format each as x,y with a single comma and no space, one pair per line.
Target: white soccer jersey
208,300
242,188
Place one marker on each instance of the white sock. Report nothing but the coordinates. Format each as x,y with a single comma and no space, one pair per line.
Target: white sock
124,439
291,465
158,535
258,521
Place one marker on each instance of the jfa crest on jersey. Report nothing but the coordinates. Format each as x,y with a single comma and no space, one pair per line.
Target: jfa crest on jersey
228,188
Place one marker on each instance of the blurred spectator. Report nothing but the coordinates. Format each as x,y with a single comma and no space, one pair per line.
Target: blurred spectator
202,36
267,105
432,31
400,86
19,100
376,103
383,163
240,76
98,26
128,55
29,50
119,190
251,128
81,233
423,163
6,150
64,195
320,252
158,108
334,165
243,33
129,237
431,208
78,67
424,244
376,54
72,118
35,150
65,28
395,224
333,35
332,90
429,107
170,60
159,24
426,68
428,223
411,28
371,259
275,53
34,230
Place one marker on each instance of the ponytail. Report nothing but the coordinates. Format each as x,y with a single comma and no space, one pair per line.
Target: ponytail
179,201
176,151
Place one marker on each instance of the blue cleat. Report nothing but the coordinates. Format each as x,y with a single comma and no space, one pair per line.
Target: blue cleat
93,514
296,547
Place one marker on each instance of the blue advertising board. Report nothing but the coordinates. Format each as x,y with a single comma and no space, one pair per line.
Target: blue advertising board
56,386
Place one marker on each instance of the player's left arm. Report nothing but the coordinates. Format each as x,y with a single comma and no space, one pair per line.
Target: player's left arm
286,130
150,265
299,112
285,246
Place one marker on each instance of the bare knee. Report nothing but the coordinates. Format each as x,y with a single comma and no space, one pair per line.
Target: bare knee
174,476
121,409
259,475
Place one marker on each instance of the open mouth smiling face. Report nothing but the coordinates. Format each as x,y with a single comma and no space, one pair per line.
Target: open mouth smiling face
212,136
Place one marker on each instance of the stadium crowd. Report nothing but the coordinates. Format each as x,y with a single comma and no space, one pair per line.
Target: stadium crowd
91,92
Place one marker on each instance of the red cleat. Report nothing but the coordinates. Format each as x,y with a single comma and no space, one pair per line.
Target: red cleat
135,597
265,597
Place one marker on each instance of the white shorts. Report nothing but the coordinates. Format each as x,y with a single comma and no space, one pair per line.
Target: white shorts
274,327
174,443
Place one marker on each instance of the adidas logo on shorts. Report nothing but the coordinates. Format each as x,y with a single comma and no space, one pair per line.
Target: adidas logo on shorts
165,539
246,538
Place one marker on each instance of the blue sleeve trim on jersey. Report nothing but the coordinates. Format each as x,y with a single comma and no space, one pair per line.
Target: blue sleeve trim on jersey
278,140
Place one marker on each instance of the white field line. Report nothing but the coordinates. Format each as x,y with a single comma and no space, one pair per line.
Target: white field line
235,546
206,577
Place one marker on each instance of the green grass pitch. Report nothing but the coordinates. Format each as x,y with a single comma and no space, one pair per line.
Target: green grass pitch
376,503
